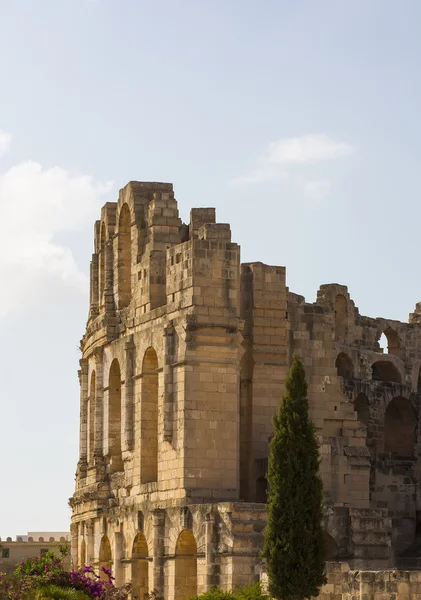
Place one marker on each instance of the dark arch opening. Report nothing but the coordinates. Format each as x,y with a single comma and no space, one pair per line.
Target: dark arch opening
344,366
91,416
362,408
419,381
331,547
149,418
114,416
388,340
262,490
383,370
341,316
399,427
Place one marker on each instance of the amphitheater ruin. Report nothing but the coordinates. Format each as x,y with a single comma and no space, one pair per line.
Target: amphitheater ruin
184,359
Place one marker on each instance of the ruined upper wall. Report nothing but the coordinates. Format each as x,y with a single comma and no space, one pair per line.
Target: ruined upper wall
358,336
146,259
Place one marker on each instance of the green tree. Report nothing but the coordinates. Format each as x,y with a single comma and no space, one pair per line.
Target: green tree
294,544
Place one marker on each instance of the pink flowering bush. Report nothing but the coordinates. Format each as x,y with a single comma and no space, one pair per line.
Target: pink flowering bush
35,576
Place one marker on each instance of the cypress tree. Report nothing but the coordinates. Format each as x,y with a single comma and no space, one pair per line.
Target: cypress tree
294,545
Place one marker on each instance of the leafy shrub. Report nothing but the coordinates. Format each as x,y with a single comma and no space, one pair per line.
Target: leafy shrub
54,592
246,592
44,578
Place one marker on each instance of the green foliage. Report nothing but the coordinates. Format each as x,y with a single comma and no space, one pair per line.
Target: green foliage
294,545
55,592
250,592
246,592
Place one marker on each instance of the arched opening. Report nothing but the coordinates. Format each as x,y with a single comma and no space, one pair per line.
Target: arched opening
185,566
82,555
105,557
419,381
383,370
140,586
399,427
331,547
91,416
246,424
362,408
262,490
149,418
344,366
389,342
114,416
124,258
341,316
102,263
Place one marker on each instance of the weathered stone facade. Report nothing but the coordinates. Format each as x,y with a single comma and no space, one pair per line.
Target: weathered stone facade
184,360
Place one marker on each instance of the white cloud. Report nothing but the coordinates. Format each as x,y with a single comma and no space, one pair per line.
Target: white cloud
316,190
5,141
292,152
36,206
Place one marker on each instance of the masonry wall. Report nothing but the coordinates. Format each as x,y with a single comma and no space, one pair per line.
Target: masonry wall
183,365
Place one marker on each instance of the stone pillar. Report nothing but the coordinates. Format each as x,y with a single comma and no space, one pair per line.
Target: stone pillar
99,402
212,574
74,544
158,550
128,434
90,541
169,337
83,440
118,555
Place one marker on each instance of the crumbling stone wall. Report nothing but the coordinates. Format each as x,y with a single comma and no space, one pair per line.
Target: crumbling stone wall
183,365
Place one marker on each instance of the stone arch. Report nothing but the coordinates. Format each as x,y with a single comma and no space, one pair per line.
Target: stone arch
185,566
344,366
362,408
400,427
149,418
341,317
261,489
331,547
82,555
139,560
124,257
393,345
91,416
105,557
114,415
385,370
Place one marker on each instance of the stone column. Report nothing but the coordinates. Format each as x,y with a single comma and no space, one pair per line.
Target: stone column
83,439
128,434
212,576
90,541
169,335
158,550
118,555
74,541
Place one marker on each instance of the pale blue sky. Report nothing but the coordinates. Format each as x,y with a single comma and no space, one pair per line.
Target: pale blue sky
298,120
